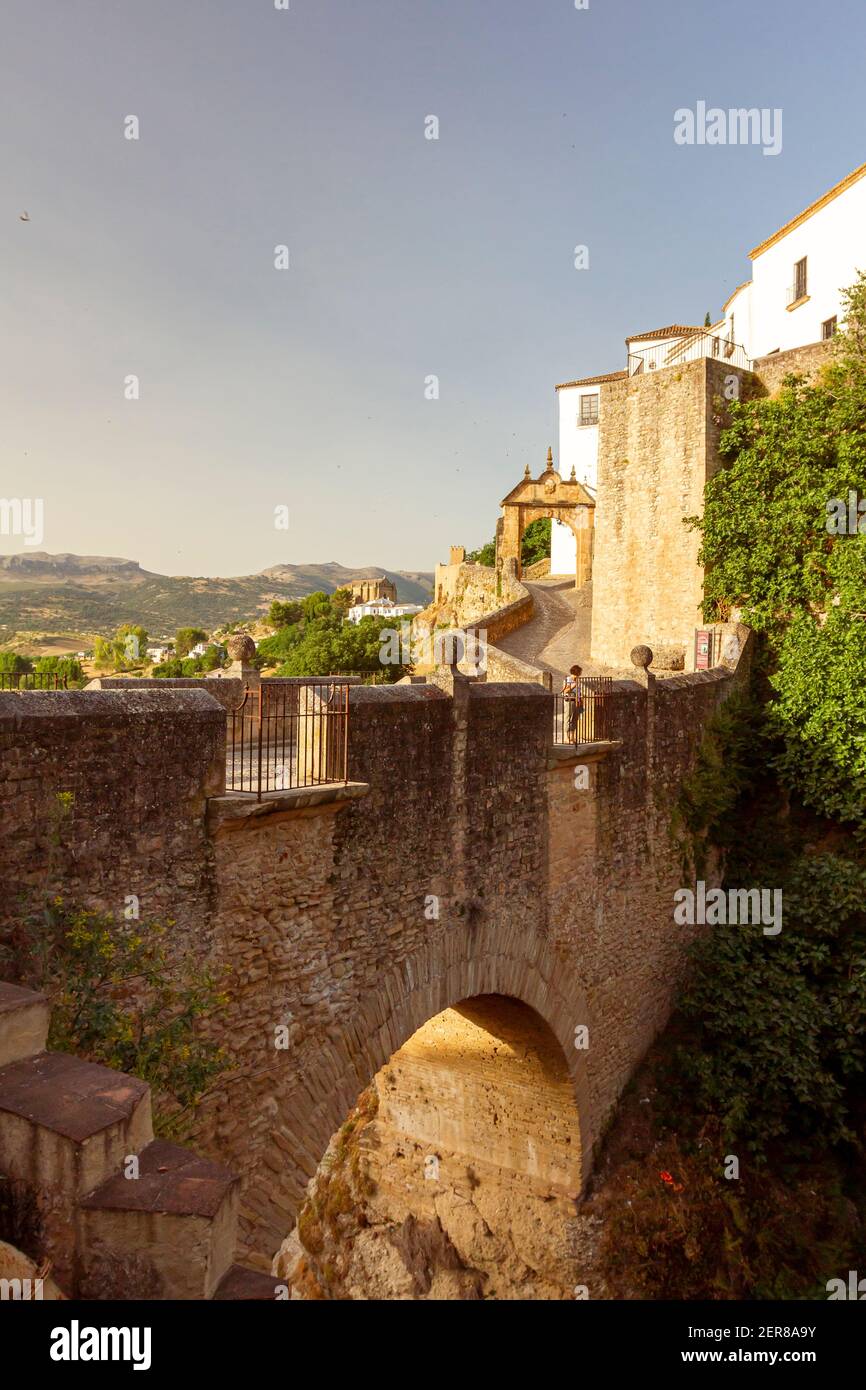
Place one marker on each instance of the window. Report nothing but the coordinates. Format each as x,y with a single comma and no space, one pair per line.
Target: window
800,279
588,410
828,328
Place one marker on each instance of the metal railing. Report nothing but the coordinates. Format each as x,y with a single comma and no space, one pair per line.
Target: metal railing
688,350
288,733
31,680
795,293
589,719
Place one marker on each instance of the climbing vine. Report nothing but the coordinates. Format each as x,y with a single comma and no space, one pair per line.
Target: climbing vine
776,1049
784,543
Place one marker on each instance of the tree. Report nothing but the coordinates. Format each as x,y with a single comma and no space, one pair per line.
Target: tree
67,667
15,664
485,555
535,544
186,638
131,640
125,650
214,657
707,320
282,614
316,605
777,551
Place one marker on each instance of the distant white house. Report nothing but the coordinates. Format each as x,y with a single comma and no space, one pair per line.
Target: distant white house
199,649
382,608
793,299
159,654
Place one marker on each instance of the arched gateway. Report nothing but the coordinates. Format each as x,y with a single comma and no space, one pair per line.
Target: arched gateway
547,496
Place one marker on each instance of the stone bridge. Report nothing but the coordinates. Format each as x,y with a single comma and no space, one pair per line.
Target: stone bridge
467,859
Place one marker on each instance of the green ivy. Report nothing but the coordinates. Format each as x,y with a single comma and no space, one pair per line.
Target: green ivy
770,556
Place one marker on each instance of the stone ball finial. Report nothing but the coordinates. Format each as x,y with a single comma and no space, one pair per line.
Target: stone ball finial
241,647
641,656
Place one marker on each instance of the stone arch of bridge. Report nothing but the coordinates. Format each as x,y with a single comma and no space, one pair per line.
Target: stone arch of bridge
456,967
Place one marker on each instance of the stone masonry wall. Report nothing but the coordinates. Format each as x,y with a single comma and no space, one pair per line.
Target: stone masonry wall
135,769
803,361
226,690
658,447
466,863
613,871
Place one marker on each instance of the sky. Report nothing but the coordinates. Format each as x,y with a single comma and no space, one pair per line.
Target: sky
266,393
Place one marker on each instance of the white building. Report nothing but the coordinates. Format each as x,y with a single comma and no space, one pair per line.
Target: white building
199,649
798,273
793,299
563,548
578,428
382,608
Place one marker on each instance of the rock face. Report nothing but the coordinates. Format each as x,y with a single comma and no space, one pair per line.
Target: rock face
24,1279
411,1201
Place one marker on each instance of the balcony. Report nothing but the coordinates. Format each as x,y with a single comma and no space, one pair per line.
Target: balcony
651,359
796,295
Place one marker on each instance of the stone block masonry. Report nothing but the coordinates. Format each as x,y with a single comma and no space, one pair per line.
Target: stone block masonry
802,361
657,450
463,860
104,795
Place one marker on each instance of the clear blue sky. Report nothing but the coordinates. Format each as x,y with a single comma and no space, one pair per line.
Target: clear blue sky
409,257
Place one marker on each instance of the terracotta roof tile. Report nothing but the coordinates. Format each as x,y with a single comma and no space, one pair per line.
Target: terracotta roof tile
591,380
670,332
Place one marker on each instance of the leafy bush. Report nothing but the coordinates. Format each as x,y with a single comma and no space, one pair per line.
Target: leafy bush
13,663
780,1023
678,1228
485,555
68,667
820,713
771,555
117,999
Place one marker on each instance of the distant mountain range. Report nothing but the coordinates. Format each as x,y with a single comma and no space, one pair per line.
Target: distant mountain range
97,593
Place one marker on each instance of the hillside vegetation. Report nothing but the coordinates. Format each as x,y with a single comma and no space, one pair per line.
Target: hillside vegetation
67,593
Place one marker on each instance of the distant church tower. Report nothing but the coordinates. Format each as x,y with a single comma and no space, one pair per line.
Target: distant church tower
366,590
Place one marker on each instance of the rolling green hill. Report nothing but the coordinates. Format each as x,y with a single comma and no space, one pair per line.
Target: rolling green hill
95,594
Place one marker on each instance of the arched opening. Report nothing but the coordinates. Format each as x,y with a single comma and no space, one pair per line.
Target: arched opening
458,1173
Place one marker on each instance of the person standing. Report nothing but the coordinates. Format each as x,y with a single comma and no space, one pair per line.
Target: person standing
572,694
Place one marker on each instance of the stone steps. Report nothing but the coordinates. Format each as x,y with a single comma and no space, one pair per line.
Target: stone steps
248,1285
179,1213
68,1123
118,1213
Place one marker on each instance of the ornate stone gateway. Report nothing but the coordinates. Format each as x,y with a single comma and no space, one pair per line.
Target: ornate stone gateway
552,497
